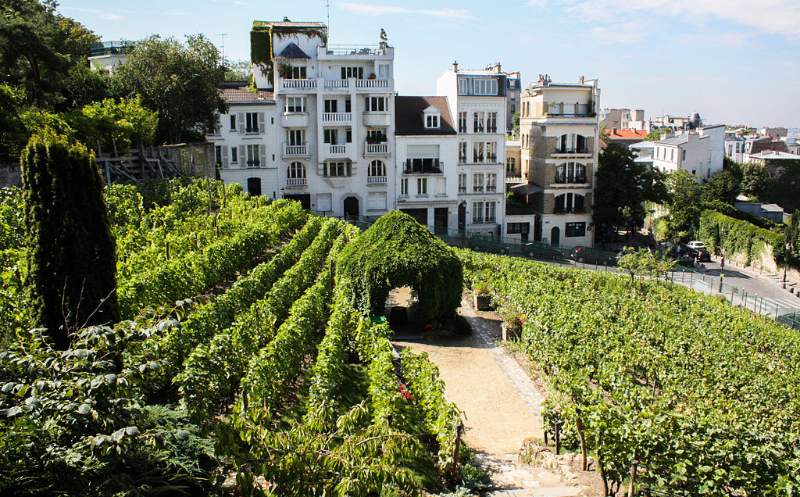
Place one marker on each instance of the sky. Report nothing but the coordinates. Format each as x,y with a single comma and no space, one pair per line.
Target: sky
733,61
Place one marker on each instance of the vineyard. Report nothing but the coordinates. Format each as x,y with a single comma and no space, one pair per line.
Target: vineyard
245,364
669,391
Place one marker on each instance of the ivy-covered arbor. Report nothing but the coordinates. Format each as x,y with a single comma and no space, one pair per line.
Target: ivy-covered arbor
397,251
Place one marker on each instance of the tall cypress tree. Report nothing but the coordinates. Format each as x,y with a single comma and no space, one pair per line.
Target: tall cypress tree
72,260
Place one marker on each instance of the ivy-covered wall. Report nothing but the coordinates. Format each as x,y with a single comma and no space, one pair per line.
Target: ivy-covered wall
741,240
397,251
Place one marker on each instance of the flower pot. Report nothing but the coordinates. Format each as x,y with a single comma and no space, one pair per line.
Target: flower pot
510,331
483,302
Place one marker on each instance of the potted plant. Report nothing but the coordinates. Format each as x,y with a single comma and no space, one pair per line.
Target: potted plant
371,76
512,326
483,301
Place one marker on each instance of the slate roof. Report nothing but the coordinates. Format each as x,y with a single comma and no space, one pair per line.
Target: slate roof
242,95
408,116
292,51
768,145
675,140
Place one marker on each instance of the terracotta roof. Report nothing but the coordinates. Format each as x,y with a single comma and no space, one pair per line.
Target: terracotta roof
768,145
408,116
626,134
242,95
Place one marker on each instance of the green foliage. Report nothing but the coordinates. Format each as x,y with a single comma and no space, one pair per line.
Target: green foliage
688,388
239,70
397,251
723,186
116,125
643,263
754,180
179,81
623,186
685,195
72,256
655,135
737,237
783,185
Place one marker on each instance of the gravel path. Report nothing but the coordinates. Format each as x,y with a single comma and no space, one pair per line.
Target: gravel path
500,402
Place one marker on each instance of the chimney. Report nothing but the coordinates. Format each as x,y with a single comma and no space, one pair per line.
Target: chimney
498,68
455,66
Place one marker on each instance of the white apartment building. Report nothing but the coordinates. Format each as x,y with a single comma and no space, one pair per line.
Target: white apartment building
426,166
559,133
699,152
245,141
108,55
477,101
323,122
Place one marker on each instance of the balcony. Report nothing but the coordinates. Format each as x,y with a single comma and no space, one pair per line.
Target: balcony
377,119
373,84
337,118
296,182
294,120
337,84
376,149
423,166
290,151
298,85
376,180
572,152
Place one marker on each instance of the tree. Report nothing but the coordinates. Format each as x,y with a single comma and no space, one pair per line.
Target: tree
754,180
684,203
72,259
783,185
656,134
723,186
791,243
622,188
515,124
179,81
115,125
239,70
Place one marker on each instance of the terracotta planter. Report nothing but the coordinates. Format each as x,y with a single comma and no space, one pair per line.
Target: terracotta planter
483,302
510,331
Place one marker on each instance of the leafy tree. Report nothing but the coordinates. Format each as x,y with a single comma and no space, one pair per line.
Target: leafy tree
116,125
791,243
622,188
72,259
655,135
723,186
643,263
782,187
515,123
12,130
239,70
177,80
684,203
754,180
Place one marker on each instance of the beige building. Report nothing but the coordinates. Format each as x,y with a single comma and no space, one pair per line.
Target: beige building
559,137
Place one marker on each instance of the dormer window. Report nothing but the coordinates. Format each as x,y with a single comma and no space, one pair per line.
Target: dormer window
432,121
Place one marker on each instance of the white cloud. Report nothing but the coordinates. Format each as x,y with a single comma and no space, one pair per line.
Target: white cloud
383,9
777,17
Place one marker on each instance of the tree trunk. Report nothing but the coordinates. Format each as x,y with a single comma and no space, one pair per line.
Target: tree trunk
582,440
558,437
602,470
632,483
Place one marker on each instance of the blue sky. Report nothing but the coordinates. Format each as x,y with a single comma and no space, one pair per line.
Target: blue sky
733,61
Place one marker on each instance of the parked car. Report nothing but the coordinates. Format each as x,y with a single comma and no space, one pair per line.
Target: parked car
696,245
588,255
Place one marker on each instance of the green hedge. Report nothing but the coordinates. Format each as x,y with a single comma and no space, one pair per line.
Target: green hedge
738,237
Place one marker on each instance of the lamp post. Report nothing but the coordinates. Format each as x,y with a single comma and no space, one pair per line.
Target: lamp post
722,261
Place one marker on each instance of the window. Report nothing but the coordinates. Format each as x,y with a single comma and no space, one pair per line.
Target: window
571,172
572,143
432,121
477,183
462,183
404,186
478,122
296,137
490,216
377,104
422,186
511,166
383,71
477,152
672,155
336,169
572,230
218,155
296,170
348,135
491,152
376,135
377,169
462,152
491,182
478,86
462,122
233,122
234,155
491,122
331,136
251,122
253,159
518,228
683,156
331,106
569,203
295,105
296,72
477,213
353,72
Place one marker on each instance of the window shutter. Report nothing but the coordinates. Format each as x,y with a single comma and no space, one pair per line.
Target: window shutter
262,128
262,152
242,156
240,119
224,156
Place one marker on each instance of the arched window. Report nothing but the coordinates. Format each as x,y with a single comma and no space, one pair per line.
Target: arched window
377,169
297,170
571,172
568,203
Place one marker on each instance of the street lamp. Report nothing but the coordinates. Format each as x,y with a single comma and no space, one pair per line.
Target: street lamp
722,261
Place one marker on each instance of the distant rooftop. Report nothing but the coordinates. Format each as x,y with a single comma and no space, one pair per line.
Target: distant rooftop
626,134
289,24
771,155
242,95
111,47
408,116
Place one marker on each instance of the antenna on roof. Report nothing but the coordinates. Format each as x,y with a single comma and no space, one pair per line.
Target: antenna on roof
222,44
328,15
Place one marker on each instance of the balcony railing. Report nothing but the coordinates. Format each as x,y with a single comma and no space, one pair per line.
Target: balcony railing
296,182
377,148
337,84
309,84
337,117
372,83
338,149
376,180
425,166
295,150
573,150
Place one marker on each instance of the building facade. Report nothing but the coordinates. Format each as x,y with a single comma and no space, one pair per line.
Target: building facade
108,55
559,132
477,101
700,152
